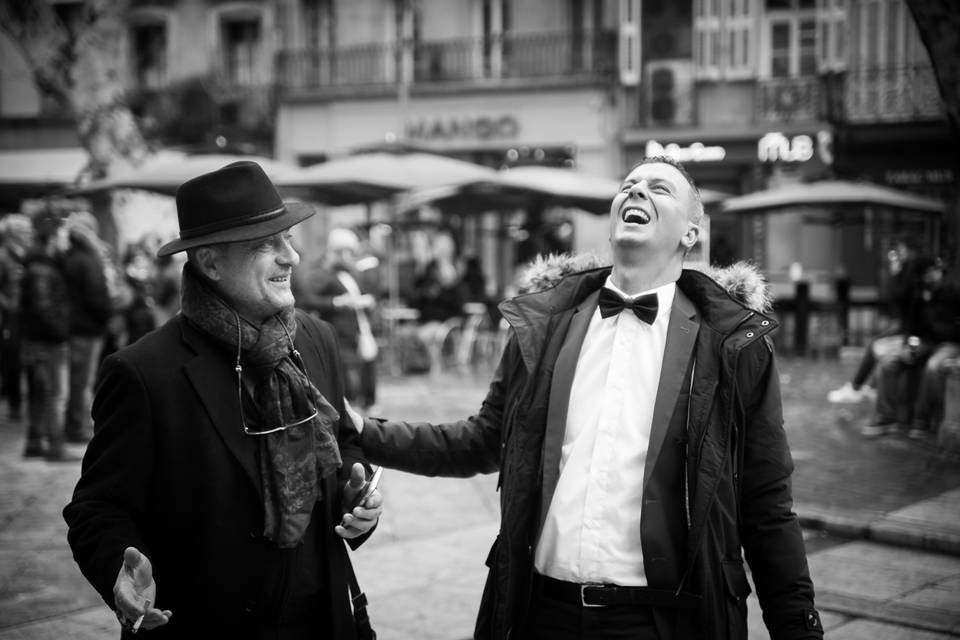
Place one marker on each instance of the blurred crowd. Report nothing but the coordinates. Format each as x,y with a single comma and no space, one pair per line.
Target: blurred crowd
66,301
910,360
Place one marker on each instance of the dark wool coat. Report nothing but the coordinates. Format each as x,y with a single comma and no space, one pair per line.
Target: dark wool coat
719,466
170,471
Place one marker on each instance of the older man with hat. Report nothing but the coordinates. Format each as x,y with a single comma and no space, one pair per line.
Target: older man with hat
212,497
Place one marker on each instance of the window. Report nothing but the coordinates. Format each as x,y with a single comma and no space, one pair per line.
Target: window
723,44
317,23
832,17
149,56
241,49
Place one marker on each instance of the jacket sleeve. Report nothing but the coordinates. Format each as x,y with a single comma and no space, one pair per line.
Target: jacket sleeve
106,514
455,449
770,531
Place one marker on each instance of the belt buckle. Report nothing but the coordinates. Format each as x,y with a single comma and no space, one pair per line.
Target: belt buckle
583,588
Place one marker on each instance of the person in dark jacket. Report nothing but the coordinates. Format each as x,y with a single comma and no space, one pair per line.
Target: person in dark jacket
16,238
45,317
90,312
636,424
213,499
911,380
340,296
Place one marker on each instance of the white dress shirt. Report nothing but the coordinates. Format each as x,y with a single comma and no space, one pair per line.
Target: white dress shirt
592,528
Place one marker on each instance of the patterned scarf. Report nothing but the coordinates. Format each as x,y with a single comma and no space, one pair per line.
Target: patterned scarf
293,461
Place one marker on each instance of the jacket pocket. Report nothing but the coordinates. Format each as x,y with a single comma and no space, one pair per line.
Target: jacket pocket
738,588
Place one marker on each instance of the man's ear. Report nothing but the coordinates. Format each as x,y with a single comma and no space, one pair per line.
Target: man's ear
691,236
207,261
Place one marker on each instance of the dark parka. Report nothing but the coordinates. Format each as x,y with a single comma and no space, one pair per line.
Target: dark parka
170,471
738,465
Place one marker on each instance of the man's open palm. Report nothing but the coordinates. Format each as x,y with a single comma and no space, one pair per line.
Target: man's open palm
135,591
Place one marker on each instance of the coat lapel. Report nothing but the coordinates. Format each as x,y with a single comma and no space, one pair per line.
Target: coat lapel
218,395
560,385
681,338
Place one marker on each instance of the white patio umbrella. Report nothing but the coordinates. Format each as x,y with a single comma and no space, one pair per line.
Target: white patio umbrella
369,177
831,192
164,174
528,187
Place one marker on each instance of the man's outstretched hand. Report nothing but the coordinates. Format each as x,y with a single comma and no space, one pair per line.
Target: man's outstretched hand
135,591
363,517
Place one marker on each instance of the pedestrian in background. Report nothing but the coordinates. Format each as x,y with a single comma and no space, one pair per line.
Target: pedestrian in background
339,295
90,311
45,313
904,403
905,272
213,495
636,423
16,239
942,305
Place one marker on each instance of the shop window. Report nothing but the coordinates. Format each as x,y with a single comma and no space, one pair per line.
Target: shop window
240,38
149,55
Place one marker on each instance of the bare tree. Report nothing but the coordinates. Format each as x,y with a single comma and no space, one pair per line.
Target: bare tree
939,25
77,64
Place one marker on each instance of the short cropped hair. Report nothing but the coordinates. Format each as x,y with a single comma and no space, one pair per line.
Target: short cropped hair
697,213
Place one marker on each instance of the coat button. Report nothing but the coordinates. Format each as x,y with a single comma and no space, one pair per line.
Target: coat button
250,606
749,334
765,323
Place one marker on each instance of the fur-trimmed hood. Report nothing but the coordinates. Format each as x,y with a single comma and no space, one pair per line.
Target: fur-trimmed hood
742,280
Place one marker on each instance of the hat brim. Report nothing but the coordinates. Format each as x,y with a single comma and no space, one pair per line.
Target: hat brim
296,212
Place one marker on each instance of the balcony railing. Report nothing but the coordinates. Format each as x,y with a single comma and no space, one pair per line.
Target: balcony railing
789,99
482,60
892,94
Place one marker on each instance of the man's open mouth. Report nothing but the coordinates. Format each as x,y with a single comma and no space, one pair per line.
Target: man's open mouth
635,216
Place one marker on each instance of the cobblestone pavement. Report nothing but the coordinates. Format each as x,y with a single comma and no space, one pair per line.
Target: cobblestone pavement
424,571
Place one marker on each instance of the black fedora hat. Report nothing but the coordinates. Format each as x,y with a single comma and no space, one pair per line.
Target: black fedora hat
234,203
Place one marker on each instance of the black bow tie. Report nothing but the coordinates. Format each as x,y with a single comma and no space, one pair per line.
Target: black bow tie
645,306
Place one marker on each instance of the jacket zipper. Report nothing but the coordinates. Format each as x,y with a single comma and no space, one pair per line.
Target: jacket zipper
686,573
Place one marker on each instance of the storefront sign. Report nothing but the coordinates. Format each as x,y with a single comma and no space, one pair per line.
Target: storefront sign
917,177
503,127
776,146
696,152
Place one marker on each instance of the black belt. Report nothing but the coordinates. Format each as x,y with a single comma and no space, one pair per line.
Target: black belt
607,595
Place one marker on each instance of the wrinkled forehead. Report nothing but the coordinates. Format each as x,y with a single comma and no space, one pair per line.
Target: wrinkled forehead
658,171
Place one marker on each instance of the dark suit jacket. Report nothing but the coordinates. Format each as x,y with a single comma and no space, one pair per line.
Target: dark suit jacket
171,472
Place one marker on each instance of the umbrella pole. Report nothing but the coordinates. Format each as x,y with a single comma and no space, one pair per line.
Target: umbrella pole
393,287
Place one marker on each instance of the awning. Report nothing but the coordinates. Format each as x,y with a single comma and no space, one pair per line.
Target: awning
831,193
36,167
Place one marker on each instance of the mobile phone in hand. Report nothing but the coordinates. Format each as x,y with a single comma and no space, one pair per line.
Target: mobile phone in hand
365,491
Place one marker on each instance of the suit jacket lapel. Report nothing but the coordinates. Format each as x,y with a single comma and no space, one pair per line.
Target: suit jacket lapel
217,393
681,338
560,385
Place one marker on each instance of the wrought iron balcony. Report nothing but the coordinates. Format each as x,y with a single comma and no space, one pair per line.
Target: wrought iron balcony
789,99
892,94
547,56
